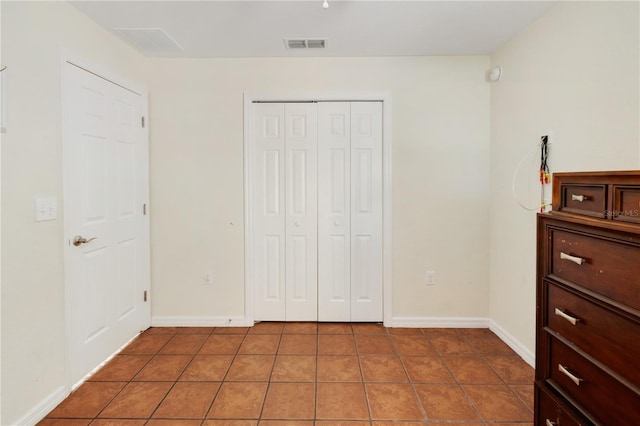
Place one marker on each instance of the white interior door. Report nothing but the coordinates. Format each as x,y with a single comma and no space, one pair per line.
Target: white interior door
285,211
317,211
366,211
301,183
334,211
105,171
268,211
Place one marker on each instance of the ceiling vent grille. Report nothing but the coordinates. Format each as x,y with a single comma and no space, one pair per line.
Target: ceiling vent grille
306,43
149,40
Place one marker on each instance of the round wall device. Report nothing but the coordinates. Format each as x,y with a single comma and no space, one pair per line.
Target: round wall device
495,74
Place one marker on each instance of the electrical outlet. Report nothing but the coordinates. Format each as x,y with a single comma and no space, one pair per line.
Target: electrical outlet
430,278
207,277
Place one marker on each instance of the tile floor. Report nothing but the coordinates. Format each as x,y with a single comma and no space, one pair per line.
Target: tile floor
306,374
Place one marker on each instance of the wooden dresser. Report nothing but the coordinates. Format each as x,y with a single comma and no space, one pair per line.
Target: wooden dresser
588,302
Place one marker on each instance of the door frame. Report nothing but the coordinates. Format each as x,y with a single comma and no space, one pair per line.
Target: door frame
68,58
387,199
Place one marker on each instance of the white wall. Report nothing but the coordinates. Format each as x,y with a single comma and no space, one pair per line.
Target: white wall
440,133
575,72
33,341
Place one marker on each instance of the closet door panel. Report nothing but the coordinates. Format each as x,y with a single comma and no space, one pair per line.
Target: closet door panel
301,181
366,211
268,212
334,204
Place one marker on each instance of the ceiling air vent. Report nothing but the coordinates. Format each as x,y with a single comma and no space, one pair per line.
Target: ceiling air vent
149,40
305,43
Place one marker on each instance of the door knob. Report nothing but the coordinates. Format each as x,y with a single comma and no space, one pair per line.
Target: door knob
79,240
297,223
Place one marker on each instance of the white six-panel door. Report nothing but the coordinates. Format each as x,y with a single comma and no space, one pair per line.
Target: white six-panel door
106,184
334,211
366,211
317,211
285,211
301,223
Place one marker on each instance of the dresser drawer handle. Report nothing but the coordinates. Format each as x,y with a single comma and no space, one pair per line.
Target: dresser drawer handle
574,259
572,320
567,373
550,423
579,198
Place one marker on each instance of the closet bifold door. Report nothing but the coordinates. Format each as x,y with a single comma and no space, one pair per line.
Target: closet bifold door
334,206
268,211
301,211
284,210
350,211
366,211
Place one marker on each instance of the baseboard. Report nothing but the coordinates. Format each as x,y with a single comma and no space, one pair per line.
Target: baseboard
43,408
440,322
185,321
513,343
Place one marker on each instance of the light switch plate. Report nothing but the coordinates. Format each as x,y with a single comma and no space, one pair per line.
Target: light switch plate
46,208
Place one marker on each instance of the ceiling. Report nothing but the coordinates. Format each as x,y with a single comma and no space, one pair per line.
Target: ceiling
205,29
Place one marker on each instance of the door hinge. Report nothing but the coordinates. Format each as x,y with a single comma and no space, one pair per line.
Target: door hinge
144,209
143,122
145,295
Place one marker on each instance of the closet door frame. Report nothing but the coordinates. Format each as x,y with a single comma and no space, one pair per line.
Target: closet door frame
249,132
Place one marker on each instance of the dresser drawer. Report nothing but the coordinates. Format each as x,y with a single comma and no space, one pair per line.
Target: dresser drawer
626,203
607,336
589,200
607,400
551,413
606,267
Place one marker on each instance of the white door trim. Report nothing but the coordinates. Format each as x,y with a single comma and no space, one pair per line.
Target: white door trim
71,58
385,98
